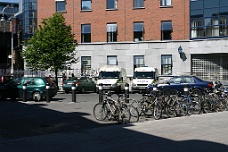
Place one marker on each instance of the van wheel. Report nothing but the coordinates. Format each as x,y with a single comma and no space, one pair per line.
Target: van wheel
36,96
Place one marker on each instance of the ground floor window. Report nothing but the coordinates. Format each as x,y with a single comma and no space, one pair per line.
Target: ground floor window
139,61
85,64
166,64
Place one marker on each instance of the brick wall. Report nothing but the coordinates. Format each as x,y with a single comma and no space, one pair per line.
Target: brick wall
124,16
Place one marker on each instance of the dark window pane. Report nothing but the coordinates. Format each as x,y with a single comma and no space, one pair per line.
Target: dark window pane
60,6
86,28
223,3
166,26
138,27
211,3
211,12
138,3
86,5
196,13
111,4
224,10
195,5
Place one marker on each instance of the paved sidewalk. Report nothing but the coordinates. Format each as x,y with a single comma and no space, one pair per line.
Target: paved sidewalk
196,133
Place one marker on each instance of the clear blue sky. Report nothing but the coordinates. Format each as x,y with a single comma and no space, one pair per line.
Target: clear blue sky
15,1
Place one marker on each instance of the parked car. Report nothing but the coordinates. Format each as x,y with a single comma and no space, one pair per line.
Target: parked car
83,84
36,87
8,87
178,83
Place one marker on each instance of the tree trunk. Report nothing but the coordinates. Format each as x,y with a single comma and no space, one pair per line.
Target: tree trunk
56,78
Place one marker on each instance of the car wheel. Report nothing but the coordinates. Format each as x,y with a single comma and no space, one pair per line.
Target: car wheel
83,90
36,96
66,91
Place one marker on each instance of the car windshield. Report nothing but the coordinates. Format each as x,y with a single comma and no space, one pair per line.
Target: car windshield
109,75
145,75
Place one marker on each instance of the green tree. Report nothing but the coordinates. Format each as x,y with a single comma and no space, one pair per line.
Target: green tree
52,46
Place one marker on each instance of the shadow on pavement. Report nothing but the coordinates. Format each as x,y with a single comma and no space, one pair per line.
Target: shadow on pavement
25,123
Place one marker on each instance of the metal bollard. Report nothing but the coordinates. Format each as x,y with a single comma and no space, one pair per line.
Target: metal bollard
47,92
24,92
126,92
186,89
73,88
100,92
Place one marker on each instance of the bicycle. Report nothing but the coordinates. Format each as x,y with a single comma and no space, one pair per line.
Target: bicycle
148,105
116,110
189,103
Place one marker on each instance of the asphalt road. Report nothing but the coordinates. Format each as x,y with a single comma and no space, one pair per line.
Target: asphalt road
62,125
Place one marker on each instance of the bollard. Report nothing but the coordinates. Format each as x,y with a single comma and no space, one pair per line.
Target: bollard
47,92
25,92
100,92
126,92
73,88
186,89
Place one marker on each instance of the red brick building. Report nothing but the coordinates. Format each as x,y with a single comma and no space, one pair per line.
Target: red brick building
152,13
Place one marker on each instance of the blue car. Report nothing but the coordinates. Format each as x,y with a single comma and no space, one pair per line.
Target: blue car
179,82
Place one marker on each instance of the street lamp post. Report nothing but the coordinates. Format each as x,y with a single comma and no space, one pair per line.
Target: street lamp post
9,12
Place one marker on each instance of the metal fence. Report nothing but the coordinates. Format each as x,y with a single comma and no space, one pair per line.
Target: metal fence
38,73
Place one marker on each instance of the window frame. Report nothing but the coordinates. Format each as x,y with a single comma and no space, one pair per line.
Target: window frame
137,59
85,34
111,30
138,3
85,66
166,30
112,60
114,5
138,34
60,5
166,64
164,3
90,5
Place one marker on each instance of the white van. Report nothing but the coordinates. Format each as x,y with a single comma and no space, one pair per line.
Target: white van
112,77
143,76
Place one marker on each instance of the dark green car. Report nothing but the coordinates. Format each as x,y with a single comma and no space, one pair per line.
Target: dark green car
8,88
83,84
36,87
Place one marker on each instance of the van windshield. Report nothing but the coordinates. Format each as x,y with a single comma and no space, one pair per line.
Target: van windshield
144,75
109,75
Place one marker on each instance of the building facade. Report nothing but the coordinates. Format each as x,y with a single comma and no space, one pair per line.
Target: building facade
175,36
9,29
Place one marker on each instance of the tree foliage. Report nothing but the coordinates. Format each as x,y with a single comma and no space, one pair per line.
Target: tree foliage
52,46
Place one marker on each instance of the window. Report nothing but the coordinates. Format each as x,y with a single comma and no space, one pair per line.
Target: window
112,60
138,31
166,30
138,3
86,5
111,32
85,64
111,4
60,5
86,33
166,64
165,2
138,61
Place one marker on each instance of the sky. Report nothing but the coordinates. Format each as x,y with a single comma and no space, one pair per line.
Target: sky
15,1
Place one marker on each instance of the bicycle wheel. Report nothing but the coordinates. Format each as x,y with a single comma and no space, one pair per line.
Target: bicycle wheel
100,111
134,114
194,108
157,111
124,115
183,107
